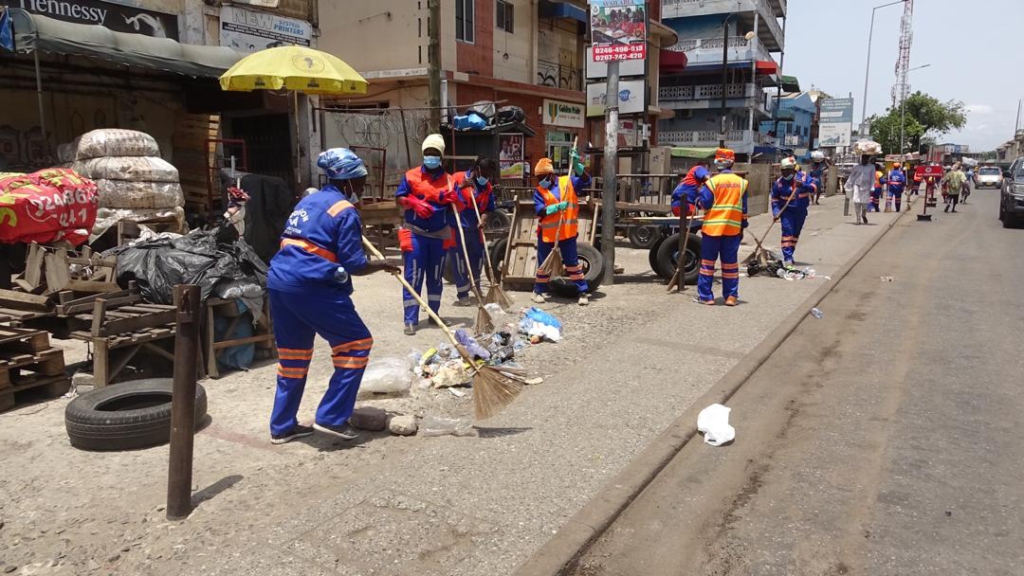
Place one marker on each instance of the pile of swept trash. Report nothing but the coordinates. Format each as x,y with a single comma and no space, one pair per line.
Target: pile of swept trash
778,269
442,367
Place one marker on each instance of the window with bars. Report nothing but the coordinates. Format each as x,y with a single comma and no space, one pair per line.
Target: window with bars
464,20
504,12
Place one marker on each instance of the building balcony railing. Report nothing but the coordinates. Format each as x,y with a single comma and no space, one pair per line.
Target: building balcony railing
710,95
703,51
558,75
769,10
736,139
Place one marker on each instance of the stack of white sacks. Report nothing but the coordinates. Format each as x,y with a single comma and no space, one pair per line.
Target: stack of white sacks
134,182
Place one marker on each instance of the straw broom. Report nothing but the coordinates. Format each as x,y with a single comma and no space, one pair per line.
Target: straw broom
484,323
495,294
492,390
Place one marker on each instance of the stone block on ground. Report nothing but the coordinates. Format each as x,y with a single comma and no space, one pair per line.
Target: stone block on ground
369,418
405,425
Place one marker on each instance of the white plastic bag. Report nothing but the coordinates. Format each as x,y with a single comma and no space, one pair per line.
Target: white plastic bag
713,421
440,426
387,376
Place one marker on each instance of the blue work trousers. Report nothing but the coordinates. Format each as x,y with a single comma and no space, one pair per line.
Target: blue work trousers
792,223
298,318
424,261
475,247
711,249
895,197
876,198
571,260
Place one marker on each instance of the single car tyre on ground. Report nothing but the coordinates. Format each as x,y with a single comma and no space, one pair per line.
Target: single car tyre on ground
593,269
498,220
652,256
668,254
125,416
643,236
497,250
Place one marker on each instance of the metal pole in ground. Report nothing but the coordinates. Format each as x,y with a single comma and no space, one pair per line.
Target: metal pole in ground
434,64
611,168
183,402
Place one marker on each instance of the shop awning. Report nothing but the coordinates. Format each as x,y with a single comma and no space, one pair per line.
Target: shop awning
562,10
790,83
35,32
766,67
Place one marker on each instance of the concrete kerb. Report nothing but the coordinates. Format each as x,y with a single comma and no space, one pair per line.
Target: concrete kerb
563,550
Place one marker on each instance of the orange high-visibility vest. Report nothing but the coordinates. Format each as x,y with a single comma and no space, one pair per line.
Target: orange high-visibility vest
725,218
549,231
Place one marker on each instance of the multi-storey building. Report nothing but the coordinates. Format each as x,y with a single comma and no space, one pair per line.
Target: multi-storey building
729,45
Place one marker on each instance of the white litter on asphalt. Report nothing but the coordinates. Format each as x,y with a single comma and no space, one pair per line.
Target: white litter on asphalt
713,421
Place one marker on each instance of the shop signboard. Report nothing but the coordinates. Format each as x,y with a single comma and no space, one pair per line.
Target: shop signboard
252,31
618,30
631,98
512,155
116,17
835,125
564,114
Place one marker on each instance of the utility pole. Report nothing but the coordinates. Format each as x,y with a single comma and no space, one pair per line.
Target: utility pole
725,80
778,94
867,69
434,63
611,167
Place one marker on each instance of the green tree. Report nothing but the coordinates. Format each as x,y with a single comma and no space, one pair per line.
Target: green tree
925,117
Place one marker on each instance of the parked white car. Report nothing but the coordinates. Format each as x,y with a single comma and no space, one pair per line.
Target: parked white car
988,177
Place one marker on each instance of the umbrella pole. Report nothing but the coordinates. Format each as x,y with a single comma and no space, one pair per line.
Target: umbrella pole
39,96
298,145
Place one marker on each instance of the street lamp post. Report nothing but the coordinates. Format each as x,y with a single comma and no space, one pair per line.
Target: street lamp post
867,70
903,114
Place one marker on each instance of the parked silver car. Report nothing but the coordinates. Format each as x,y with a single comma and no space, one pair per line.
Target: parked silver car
988,177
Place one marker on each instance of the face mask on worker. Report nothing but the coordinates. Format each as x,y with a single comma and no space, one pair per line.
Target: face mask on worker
788,175
431,162
481,180
545,182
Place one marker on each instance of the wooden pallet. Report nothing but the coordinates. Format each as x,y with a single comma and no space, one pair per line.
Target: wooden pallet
519,265
28,362
47,386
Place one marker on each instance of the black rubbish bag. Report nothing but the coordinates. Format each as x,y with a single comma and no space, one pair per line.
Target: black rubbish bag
197,258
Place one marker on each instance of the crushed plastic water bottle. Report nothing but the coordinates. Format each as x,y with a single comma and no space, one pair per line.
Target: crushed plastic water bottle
341,275
471,345
817,313
781,272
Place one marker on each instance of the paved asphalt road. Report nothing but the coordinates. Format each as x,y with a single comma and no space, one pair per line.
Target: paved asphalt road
885,438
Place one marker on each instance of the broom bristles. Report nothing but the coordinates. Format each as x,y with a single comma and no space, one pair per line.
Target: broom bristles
552,265
492,392
495,295
484,323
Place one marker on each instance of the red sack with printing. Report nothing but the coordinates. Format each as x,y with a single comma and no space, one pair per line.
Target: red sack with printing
47,206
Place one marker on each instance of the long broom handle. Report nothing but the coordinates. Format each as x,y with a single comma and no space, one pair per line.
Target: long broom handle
465,254
423,304
678,279
483,239
772,225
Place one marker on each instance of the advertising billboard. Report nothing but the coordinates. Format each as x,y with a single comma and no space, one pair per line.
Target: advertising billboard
618,30
835,124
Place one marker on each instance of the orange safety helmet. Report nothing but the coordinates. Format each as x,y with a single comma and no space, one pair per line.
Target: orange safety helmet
544,166
725,154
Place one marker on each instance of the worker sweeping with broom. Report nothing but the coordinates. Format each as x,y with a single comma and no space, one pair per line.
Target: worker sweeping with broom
790,197
557,208
473,186
425,192
724,201
310,285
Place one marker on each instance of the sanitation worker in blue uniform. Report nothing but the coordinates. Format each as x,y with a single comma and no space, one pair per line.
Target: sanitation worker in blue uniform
427,194
798,189
819,172
557,206
310,285
473,184
689,186
724,201
896,181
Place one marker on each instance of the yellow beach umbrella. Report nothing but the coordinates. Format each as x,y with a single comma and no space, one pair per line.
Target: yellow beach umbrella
293,68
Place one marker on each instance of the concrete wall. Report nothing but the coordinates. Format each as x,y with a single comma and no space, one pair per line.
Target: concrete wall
363,35
516,46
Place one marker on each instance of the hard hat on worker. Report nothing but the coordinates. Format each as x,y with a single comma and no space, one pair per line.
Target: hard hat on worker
817,155
788,163
341,164
723,154
544,166
435,141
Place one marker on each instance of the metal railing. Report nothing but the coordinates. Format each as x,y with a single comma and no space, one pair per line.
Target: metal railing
686,8
708,137
558,75
709,50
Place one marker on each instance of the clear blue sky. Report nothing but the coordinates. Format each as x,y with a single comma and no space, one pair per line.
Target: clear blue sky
974,48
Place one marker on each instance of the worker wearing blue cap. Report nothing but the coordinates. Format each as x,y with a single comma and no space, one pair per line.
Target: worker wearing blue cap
310,289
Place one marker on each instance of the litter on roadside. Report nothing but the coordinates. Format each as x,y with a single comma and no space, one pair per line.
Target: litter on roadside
817,313
713,421
440,426
886,278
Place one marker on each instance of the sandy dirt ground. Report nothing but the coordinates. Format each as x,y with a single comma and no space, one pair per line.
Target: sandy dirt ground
629,364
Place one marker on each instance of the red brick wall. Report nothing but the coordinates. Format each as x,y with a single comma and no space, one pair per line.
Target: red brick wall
478,57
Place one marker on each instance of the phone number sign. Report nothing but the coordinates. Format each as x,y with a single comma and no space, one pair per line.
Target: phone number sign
618,30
